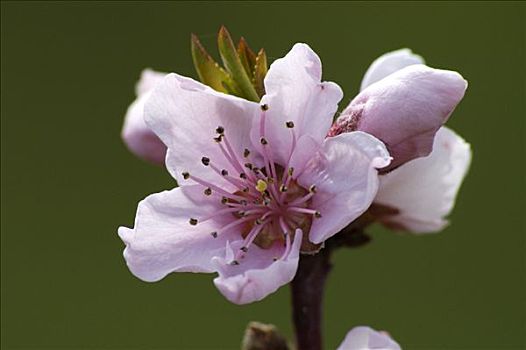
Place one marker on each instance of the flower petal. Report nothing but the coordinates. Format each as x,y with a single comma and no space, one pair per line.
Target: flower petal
163,240
294,92
405,110
345,174
366,338
258,275
138,137
424,190
185,114
149,78
389,63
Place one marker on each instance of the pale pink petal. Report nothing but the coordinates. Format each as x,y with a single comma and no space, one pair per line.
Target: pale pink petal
389,63
261,273
424,189
345,174
185,114
366,338
164,241
138,137
149,78
305,148
295,92
405,110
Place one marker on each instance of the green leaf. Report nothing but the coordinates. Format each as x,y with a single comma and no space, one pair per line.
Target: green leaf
234,66
210,73
260,71
247,57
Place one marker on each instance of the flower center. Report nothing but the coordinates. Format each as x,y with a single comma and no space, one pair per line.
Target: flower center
268,204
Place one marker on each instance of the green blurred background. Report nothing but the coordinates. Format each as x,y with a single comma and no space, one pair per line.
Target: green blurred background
68,182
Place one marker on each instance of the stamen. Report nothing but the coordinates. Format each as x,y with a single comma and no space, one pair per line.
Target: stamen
264,107
234,262
302,199
193,221
208,191
243,176
218,139
220,130
313,189
186,175
246,153
283,188
289,124
205,161
263,141
249,239
222,212
214,234
224,172
316,213
215,188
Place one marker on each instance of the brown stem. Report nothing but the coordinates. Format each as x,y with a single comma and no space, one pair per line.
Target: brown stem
308,287
307,299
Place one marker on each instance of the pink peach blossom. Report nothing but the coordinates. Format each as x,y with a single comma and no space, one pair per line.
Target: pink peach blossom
366,338
423,190
258,182
138,137
405,108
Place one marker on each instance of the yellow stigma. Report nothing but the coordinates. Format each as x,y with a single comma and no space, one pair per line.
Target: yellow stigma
261,186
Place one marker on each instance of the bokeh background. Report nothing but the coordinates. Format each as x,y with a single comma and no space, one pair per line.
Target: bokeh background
68,182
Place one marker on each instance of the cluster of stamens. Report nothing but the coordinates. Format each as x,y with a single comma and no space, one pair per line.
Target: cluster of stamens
268,204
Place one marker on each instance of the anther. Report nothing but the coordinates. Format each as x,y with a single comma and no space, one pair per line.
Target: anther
274,259
263,141
186,175
241,213
289,124
208,191
317,214
258,222
283,188
224,172
243,176
218,139
313,189
193,221
249,166
264,107
214,234
256,170
224,200
234,262
244,249
220,130
205,161
246,189
270,180
246,153
291,171
243,202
